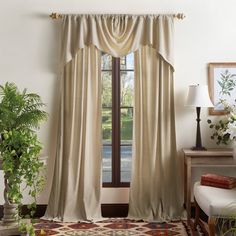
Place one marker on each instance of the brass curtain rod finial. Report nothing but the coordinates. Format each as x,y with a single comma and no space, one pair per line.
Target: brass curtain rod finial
55,16
180,16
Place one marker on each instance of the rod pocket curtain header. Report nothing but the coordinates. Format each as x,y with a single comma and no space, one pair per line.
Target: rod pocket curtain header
117,35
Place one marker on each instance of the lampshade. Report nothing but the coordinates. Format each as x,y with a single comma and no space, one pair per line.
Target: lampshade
198,96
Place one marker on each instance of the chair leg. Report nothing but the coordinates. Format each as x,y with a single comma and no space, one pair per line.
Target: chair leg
211,225
197,214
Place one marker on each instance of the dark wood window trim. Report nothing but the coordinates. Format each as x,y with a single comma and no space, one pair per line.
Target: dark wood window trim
116,178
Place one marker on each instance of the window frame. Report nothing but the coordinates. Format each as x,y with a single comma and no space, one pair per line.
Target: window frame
116,132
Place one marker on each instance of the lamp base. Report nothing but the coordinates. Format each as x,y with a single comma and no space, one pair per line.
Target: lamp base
198,149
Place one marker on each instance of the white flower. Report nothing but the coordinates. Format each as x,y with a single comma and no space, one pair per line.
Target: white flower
231,130
233,115
224,130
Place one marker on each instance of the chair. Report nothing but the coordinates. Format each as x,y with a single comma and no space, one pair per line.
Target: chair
215,202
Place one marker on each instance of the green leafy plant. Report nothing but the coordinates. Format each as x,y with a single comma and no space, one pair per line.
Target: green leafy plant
226,226
27,228
20,116
224,130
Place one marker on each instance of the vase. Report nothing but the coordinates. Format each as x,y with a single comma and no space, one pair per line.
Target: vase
234,151
10,210
10,213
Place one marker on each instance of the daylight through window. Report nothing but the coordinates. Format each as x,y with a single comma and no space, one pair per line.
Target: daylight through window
117,118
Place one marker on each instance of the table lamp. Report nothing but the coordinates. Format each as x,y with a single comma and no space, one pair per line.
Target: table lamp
198,97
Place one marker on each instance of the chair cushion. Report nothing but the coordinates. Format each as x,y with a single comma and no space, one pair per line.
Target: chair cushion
215,201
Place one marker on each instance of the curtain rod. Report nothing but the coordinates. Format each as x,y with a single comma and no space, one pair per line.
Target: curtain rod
56,16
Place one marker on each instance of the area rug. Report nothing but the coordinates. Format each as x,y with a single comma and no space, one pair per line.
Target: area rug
114,227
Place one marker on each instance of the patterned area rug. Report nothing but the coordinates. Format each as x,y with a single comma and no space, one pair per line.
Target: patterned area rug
113,227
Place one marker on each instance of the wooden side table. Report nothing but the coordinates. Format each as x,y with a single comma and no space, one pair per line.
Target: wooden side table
208,158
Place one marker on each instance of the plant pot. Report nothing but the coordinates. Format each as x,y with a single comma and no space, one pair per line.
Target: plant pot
10,214
234,151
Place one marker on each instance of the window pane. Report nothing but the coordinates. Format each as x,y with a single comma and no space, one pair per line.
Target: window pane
106,62
106,118
106,164
126,77
126,125
126,119
127,62
107,124
127,88
107,139
126,162
106,89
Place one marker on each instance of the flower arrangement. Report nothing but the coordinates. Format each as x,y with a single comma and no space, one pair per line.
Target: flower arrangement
224,130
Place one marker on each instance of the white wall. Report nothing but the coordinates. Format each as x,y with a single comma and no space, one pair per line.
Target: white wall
29,42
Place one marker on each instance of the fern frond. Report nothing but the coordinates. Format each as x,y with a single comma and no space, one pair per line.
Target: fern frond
20,109
31,119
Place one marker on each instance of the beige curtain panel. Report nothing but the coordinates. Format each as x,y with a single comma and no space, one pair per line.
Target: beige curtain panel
155,188
76,187
75,193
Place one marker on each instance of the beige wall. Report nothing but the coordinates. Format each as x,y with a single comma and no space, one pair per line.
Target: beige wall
29,56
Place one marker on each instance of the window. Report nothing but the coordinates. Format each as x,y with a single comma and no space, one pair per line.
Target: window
117,119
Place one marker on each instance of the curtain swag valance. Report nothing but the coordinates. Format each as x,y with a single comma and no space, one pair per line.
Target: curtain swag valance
117,35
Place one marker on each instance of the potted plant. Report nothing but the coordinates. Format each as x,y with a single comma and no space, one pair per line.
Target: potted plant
224,130
20,115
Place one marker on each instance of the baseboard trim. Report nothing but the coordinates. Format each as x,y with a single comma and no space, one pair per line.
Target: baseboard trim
108,210
40,210
115,210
